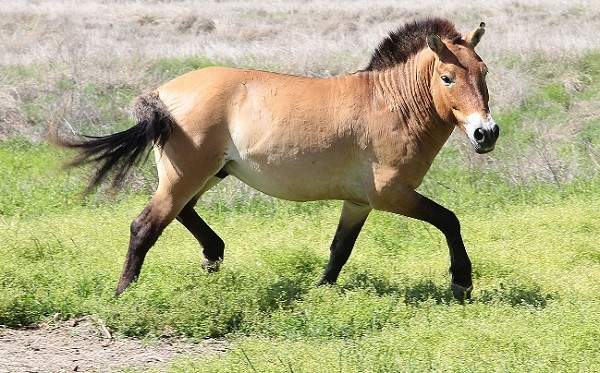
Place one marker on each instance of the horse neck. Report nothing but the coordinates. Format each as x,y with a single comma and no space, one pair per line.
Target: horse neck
405,90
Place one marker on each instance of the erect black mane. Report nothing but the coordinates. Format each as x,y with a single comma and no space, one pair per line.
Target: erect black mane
409,39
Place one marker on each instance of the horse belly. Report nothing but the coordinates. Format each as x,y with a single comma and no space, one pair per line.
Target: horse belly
305,177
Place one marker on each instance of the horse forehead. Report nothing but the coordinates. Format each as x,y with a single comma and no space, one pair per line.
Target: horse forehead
467,57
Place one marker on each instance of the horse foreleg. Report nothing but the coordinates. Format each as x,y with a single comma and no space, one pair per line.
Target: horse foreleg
447,222
408,202
351,221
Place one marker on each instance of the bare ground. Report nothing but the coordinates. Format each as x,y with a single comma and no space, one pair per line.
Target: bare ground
86,345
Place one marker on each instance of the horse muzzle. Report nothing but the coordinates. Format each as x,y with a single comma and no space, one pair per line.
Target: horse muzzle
482,132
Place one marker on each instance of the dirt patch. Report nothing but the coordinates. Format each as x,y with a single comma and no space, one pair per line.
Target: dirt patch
86,345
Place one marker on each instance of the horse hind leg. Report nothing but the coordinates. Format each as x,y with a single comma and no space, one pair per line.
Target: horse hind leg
213,247
164,206
168,202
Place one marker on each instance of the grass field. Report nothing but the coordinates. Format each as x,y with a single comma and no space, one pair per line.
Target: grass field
535,256
530,210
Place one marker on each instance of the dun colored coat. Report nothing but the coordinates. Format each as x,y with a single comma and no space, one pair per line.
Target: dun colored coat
366,138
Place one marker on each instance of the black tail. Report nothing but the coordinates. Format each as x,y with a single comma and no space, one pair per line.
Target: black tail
117,153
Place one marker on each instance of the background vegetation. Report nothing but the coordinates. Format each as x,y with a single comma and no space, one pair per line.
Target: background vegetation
530,210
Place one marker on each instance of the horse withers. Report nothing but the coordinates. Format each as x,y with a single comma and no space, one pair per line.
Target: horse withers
367,138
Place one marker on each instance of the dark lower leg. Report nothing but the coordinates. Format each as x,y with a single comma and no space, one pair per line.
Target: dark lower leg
351,222
144,233
460,264
212,245
447,222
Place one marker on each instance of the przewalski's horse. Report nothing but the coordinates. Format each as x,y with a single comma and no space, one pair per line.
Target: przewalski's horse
366,138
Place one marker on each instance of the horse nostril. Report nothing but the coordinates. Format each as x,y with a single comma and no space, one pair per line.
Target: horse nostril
496,131
479,135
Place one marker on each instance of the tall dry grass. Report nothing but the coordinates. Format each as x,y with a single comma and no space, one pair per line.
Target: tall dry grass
79,63
297,36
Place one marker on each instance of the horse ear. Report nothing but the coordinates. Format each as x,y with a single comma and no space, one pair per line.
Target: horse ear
435,43
474,37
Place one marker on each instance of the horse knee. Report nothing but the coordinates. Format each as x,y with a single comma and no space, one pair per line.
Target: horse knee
136,228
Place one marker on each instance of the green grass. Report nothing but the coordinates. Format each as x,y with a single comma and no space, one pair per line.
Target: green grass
35,181
32,180
534,252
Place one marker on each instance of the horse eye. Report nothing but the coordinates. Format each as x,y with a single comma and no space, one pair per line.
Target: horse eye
446,79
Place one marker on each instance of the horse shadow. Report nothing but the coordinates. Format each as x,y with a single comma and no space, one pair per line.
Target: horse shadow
295,278
517,295
365,280
425,290
413,293
282,293
285,291
416,293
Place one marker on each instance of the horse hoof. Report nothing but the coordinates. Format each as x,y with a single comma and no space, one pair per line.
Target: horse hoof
324,281
460,292
211,265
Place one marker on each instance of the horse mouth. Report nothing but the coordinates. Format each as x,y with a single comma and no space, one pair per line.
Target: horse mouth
483,150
